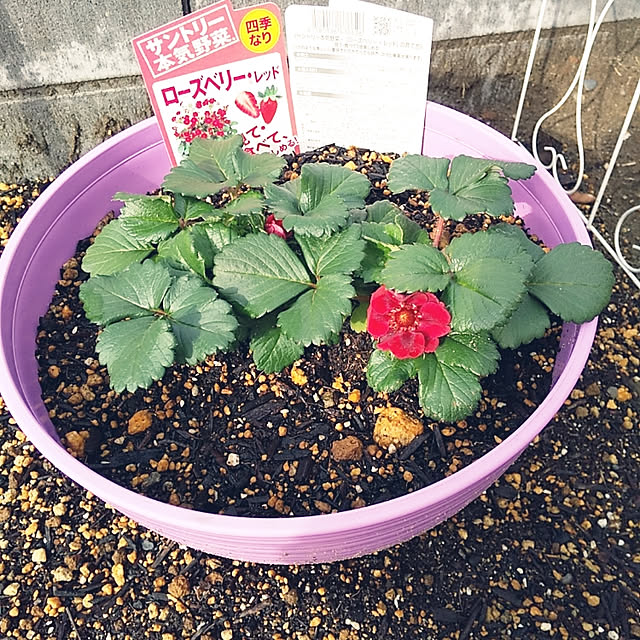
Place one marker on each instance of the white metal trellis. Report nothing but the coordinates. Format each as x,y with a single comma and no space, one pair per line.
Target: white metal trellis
557,159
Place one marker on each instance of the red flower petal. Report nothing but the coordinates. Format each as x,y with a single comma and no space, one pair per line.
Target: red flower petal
431,345
436,312
384,300
404,344
274,226
377,323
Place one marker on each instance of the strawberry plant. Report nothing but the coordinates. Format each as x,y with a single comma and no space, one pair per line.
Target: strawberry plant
229,250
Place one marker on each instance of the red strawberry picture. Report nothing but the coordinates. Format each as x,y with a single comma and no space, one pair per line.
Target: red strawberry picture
268,103
247,103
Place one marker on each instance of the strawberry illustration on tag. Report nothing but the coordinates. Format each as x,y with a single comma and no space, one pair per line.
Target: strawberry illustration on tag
268,103
247,103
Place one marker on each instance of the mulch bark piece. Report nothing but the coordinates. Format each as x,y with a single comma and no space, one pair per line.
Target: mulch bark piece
549,550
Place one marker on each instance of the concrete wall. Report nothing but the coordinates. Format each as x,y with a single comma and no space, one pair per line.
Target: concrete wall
69,79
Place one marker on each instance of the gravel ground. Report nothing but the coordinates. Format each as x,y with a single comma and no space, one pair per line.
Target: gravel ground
551,549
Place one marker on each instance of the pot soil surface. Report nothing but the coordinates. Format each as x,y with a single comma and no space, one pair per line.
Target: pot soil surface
221,437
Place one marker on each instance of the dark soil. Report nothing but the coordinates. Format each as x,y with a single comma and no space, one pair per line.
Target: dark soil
550,550
224,438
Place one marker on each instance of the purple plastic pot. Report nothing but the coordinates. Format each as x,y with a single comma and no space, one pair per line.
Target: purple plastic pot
136,161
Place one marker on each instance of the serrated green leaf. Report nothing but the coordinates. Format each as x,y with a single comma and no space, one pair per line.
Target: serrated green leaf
446,392
208,169
192,208
416,267
382,211
465,170
574,281
340,253
373,262
491,195
482,294
136,352
319,313
376,233
182,253
319,201
469,247
245,204
201,323
259,272
258,170
135,292
273,350
358,319
114,250
418,172
529,321
149,220
387,373
319,181
210,238
475,352
516,232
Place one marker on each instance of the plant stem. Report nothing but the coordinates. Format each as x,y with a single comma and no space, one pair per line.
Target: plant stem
438,232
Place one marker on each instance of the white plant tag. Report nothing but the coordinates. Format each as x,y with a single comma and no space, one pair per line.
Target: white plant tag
359,75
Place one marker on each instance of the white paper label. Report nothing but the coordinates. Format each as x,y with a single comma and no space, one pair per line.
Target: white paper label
359,75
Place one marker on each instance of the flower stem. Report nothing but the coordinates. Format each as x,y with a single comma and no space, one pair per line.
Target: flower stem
437,235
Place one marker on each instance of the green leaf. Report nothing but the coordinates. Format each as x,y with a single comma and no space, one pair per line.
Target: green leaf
373,262
382,211
491,194
319,201
273,350
123,196
418,172
258,170
358,319
210,238
320,180
574,281
208,169
483,294
475,352
136,352
446,392
181,252
202,324
387,373
337,254
377,234
149,220
319,313
469,247
529,321
259,272
517,233
245,204
192,208
114,250
416,267
135,292
466,170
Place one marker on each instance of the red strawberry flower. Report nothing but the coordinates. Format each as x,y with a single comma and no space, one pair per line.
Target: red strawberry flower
407,325
273,225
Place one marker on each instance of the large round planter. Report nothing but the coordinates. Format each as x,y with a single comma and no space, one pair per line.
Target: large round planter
136,161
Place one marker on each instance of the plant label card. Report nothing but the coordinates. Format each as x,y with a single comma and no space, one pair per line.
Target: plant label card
218,72
359,75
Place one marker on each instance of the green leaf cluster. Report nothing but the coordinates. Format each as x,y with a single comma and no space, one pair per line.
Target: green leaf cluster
151,319
177,275
499,287
462,186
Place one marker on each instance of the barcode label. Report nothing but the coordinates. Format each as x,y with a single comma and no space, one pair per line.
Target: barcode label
344,22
